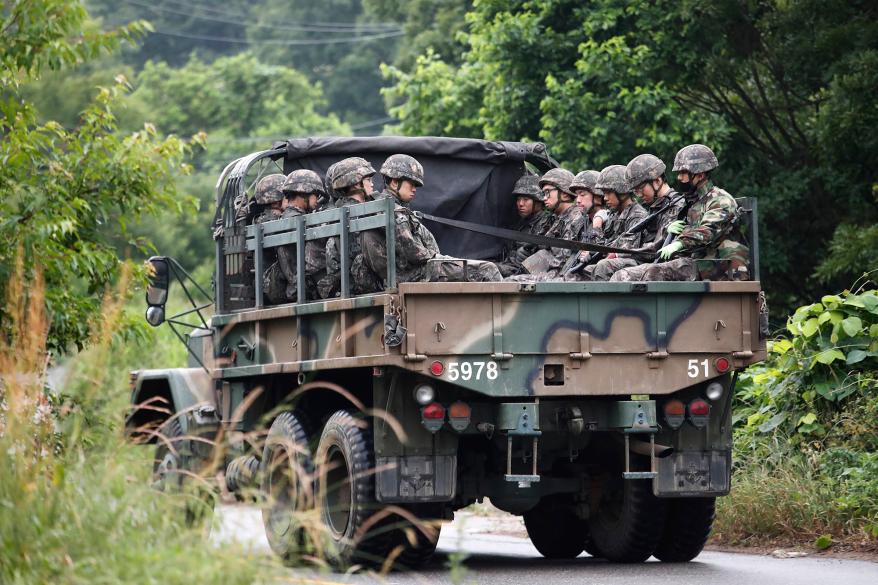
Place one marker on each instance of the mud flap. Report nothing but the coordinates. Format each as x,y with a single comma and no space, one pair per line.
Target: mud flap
693,474
416,478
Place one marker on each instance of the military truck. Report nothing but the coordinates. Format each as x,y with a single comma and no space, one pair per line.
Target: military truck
600,412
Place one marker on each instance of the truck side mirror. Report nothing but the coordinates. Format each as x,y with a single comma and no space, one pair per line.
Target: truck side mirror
157,291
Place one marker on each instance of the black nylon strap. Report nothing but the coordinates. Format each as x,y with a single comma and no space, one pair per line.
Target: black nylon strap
515,235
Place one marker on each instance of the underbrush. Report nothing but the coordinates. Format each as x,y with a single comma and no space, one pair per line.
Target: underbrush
75,501
806,432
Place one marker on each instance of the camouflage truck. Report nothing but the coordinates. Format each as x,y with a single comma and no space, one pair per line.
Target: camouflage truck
599,411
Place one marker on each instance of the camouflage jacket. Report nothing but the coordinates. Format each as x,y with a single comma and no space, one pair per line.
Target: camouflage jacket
711,233
569,225
330,284
536,224
620,222
657,230
268,214
415,246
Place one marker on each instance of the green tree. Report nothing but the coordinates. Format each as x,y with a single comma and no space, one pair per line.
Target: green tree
780,90
65,191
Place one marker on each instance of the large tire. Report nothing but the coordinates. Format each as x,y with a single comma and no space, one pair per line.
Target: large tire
175,474
686,529
628,525
555,529
287,472
346,493
418,540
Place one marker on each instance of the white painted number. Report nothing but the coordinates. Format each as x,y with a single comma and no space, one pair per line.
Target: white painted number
472,370
692,368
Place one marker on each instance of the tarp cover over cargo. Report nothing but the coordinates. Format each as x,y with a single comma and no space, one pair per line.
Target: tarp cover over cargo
465,179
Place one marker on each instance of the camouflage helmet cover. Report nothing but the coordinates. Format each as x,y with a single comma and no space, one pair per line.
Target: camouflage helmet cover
304,181
612,178
403,166
560,178
348,172
643,168
528,186
586,180
269,189
695,158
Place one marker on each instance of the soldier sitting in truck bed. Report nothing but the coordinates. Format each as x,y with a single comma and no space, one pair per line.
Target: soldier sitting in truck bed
350,182
417,253
533,219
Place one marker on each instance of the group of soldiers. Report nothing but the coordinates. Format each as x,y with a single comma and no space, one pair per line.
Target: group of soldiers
349,182
659,233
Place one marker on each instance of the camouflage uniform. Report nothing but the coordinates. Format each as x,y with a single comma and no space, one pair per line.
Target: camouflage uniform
268,191
339,178
614,235
710,238
536,224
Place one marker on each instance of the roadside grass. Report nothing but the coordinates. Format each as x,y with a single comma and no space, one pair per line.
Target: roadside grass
75,501
791,502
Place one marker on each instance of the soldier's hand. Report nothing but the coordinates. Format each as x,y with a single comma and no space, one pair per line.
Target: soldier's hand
675,227
584,256
669,250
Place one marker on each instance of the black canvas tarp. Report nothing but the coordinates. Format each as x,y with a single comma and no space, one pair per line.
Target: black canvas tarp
465,179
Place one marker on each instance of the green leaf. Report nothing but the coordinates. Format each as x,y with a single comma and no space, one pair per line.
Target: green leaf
830,300
773,422
855,356
807,419
829,356
810,327
836,317
824,317
781,346
852,326
823,542
873,330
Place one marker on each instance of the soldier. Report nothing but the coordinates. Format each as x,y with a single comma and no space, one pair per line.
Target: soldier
626,212
646,174
708,238
350,182
533,219
568,223
302,190
415,244
269,195
590,200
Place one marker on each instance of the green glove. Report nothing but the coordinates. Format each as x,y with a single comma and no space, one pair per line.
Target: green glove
675,227
670,250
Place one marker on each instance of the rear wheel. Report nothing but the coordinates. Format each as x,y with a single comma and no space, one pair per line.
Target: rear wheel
287,471
346,492
628,525
418,538
686,529
555,529
175,473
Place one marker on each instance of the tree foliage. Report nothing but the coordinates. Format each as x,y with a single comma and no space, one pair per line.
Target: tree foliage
780,90
65,192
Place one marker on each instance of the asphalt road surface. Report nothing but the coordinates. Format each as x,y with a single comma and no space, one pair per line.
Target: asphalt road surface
499,559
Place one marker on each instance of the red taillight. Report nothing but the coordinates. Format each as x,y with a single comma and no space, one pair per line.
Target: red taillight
722,365
433,411
433,417
699,407
675,413
436,368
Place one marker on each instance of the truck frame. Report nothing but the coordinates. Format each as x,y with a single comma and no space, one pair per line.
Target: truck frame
599,411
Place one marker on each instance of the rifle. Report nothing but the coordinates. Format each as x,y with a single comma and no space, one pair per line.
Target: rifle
670,237
663,206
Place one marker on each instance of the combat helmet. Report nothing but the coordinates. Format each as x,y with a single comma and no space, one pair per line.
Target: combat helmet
528,186
560,178
304,181
643,168
403,166
269,189
347,173
695,158
586,180
612,178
